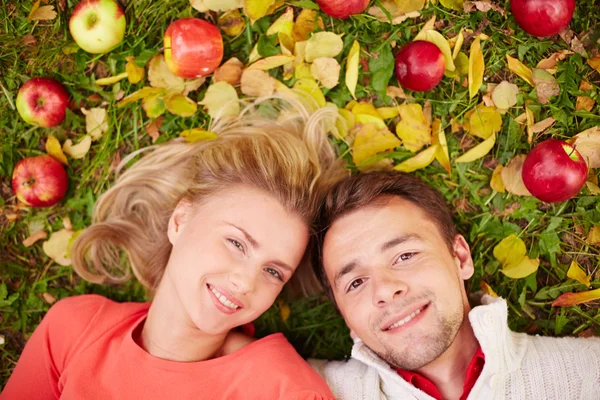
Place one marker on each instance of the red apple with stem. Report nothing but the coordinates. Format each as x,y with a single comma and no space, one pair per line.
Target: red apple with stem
343,9
97,26
39,181
42,102
542,17
420,66
193,47
554,171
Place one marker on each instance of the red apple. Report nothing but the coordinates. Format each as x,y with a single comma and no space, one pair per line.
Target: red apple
542,17
39,181
42,102
193,47
554,171
420,66
343,8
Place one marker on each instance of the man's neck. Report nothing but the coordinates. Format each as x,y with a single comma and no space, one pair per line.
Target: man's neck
448,371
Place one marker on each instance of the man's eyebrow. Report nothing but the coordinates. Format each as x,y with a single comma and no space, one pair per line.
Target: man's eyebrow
248,237
400,239
344,271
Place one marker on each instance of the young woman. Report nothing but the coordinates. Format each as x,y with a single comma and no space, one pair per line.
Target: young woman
213,230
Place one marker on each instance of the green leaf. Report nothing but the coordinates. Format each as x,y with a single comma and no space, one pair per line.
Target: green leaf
267,46
307,4
382,69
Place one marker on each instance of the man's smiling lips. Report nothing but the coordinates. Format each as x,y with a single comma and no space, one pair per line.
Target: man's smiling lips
410,314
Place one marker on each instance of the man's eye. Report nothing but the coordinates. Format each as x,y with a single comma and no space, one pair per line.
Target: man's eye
405,256
355,284
236,244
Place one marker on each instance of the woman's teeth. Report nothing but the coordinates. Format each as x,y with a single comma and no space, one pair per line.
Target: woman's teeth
405,320
223,299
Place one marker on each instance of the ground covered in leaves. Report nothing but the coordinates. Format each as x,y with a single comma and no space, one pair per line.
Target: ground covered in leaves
504,91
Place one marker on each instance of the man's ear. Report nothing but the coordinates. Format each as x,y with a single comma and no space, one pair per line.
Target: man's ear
462,258
177,221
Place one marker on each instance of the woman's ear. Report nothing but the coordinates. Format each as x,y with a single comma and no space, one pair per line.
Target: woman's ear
177,221
462,257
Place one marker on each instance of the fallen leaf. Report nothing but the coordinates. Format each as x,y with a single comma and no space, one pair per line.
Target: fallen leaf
56,247
512,255
230,72
216,5
29,40
256,9
530,120
257,83
458,43
576,273
396,92
571,299
111,80
284,310
179,104
594,62
134,73
221,99
327,71
232,23
478,151
400,11
413,128
160,76
366,108
428,111
520,69
96,123
78,150
594,236
419,161
588,144
39,235
487,289
584,102
387,112
48,298
311,88
505,95
541,126
512,176
283,24
197,135
496,181
476,68
524,268
144,92
43,13
272,62
323,44
593,188
53,149
153,128
453,4
370,141
154,105
440,41
546,85
483,6
304,25
552,61
484,121
352,68
439,138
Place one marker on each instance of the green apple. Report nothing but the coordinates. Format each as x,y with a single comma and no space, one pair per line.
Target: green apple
97,26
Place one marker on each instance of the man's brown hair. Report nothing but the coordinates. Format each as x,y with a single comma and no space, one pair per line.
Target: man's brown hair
361,190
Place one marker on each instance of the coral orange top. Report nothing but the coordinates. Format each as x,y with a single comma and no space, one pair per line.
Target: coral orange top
84,349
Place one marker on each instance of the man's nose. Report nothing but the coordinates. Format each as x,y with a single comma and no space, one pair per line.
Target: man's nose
386,286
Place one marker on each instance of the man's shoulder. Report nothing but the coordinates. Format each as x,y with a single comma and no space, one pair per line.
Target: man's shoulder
569,346
350,368
349,379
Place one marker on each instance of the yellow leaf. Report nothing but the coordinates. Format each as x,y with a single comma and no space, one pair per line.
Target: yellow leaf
478,151
284,310
419,161
323,44
232,23
256,9
505,95
460,39
429,25
310,87
496,181
197,135
344,123
413,128
594,62
352,68
305,24
146,91
571,299
512,176
453,4
594,236
440,41
365,108
593,188
525,267
216,5
476,67
56,247
439,138
487,289
154,105
96,122
272,62
370,141
134,73
53,149
365,119
530,123
326,70
78,150
160,76
111,80
221,100
43,13
462,64
388,112
283,24
399,10
254,55
181,105
484,122
588,144
303,71
510,250
520,69
576,273
257,83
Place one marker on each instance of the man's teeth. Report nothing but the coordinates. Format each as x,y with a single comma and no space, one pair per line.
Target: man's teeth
223,299
405,320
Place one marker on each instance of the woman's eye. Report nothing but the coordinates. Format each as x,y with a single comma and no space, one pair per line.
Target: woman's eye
405,256
236,244
355,284
274,273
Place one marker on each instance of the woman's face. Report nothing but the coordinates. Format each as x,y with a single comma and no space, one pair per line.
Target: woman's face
231,256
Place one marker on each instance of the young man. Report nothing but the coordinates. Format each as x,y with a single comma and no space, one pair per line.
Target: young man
395,267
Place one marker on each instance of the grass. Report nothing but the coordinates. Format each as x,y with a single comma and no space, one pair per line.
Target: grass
555,233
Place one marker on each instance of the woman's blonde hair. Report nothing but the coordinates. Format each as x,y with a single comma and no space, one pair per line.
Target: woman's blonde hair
275,144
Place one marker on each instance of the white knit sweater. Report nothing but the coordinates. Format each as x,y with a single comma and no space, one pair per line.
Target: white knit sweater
517,366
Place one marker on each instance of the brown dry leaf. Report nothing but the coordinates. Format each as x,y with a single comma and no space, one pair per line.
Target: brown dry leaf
39,235
232,23
43,13
584,102
413,128
78,150
370,141
29,40
305,24
594,62
134,73
257,83
326,70
520,69
400,11
546,85
588,144
48,298
54,149
571,39
396,92
428,111
483,6
153,128
230,72
496,181
512,177
552,61
541,126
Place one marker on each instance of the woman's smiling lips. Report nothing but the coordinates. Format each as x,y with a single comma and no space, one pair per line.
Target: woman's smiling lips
405,319
223,300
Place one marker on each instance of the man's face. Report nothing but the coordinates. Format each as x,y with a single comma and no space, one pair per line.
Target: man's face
395,281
